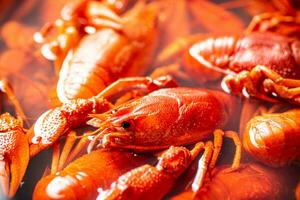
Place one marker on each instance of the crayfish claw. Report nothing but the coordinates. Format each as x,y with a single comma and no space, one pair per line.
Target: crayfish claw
49,126
14,155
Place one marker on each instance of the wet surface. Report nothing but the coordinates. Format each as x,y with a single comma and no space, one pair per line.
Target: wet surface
34,81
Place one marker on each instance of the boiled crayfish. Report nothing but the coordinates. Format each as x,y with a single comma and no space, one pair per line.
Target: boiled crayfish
181,116
57,122
117,47
149,182
262,63
274,139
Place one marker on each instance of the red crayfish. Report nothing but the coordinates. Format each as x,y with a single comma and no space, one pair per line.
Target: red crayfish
191,115
262,63
117,47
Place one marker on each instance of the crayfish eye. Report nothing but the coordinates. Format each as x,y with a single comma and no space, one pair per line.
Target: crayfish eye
125,124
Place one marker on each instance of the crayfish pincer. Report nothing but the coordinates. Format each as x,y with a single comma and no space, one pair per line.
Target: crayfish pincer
14,153
148,182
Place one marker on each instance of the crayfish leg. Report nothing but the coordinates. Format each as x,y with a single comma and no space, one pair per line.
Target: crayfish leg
238,150
273,83
270,22
6,88
146,83
146,182
203,166
218,141
172,69
69,152
210,156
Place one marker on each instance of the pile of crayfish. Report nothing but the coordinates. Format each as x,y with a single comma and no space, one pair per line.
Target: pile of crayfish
143,95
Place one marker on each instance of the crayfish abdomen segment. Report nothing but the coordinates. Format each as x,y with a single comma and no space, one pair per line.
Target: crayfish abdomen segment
274,138
209,59
91,68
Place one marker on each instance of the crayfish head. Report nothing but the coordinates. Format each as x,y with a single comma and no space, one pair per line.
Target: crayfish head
14,154
116,128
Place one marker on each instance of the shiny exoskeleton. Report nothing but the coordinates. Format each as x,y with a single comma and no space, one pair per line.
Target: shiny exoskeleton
81,178
117,46
261,64
14,154
172,116
148,182
259,182
274,139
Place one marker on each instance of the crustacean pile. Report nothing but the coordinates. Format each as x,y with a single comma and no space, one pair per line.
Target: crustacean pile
143,96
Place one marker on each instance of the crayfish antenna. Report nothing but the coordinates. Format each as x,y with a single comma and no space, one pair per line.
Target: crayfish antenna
99,135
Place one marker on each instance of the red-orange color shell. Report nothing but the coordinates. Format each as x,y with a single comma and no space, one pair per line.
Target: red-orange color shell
250,181
103,57
235,54
81,178
173,116
274,138
148,182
